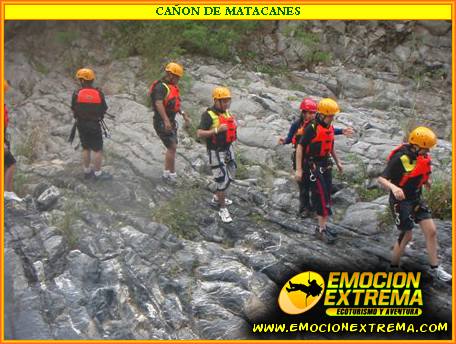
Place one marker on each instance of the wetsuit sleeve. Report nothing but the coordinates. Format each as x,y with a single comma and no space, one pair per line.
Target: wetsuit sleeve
394,169
294,127
206,121
338,131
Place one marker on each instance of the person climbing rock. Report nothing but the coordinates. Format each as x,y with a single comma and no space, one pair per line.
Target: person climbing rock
218,126
166,104
308,109
313,155
89,107
407,171
9,160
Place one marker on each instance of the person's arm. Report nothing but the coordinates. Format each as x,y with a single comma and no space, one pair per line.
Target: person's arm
205,129
299,155
393,168
397,191
345,131
309,134
158,95
187,118
293,128
336,160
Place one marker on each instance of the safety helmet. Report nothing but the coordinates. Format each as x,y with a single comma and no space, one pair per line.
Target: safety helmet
308,104
6,85
175,68
86,74
221,93
423,137
328,107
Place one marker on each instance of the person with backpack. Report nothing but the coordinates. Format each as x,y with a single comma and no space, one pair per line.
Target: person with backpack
407,171
89,107
166,104
9,160
313,153
308,109
218,126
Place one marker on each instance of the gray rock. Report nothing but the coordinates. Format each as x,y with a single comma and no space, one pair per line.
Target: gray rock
48,198
362,217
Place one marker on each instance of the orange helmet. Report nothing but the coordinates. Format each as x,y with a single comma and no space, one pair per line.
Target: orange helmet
422,137
175,68
86,74
221,93
328,107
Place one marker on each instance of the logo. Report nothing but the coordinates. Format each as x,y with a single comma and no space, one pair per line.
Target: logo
354,293
301,292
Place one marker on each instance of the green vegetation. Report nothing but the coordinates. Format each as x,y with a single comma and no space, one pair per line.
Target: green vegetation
65,223
20,183
312,55
161,41
29,147
357,180
178,213
242,166
438,198
385,219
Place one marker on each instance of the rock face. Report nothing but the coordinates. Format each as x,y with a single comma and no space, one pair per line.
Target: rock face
135,258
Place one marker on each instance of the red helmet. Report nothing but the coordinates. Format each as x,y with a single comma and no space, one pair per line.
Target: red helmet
308,104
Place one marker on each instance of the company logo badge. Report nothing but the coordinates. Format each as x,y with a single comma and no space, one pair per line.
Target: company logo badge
301,292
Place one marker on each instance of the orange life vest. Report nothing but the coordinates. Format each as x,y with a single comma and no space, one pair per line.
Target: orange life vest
417,172
224,118
88,104
322,144
172,99
88,96
299,132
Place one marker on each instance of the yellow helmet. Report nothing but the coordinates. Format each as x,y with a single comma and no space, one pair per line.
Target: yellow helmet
221,93
86,74
6,85
422,137
328,107
175,68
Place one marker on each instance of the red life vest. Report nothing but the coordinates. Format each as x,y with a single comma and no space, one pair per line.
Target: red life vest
230,135
418,171
88,104
323,142
88,96
299,132
172,99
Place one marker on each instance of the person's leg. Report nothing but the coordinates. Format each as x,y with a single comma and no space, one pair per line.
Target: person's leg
97,160
430,234
170,157
86,158
220,198
9,173
399,246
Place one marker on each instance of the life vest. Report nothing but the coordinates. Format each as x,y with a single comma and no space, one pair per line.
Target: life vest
88,104
322,144
172,99
224,118
416,171
299,132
